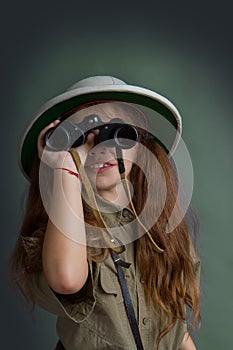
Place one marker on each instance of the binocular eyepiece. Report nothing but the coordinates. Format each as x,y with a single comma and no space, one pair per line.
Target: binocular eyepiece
70,134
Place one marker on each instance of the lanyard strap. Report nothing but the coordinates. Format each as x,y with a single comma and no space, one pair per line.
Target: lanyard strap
127,299
114,248
111,241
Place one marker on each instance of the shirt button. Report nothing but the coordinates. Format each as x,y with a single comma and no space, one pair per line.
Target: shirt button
126,214
141,280
145,320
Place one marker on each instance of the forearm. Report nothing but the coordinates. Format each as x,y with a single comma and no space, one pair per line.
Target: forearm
64,251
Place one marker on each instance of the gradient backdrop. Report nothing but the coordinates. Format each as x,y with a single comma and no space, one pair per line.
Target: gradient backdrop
183,51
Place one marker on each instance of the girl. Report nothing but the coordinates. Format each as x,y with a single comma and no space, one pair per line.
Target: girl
94,246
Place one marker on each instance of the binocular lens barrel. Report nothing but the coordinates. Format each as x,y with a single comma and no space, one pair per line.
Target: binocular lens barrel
69,134
126,136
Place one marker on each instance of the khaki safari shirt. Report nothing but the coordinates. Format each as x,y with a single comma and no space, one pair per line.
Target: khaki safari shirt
95,317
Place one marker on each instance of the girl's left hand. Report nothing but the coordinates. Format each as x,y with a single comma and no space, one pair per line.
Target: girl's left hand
187,343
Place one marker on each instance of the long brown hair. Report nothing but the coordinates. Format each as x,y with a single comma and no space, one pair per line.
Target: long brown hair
170,282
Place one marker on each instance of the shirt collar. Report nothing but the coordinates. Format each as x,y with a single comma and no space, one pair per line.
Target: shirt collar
114,214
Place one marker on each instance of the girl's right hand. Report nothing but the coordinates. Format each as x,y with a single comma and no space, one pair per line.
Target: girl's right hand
62,158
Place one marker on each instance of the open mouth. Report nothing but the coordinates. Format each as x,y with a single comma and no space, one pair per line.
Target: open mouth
99,167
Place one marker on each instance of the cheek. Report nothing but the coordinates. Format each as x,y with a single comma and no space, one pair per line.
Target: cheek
129,157
128,166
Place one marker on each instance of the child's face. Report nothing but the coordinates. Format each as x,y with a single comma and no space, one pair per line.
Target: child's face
102,169
101,163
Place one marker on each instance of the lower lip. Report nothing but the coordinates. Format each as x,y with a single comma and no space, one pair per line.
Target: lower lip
100,170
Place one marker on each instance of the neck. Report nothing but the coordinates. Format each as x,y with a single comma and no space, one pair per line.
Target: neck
116,196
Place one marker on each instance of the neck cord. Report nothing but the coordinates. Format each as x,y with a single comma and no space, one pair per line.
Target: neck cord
109,239
127,190
114,250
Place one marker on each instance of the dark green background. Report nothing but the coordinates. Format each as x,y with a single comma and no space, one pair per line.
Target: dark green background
183,51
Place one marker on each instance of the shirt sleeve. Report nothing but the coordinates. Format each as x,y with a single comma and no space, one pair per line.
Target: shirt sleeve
77,306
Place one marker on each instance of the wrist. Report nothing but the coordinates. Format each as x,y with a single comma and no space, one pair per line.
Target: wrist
69,171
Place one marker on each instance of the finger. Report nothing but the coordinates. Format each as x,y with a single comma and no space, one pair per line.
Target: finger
86,147
40,140
49,126
91,137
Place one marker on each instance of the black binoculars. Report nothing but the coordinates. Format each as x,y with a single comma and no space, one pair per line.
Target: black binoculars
70,134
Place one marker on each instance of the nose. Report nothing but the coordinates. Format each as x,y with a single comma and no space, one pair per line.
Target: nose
97,149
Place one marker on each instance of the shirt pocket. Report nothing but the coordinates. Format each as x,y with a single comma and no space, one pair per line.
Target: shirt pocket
110,289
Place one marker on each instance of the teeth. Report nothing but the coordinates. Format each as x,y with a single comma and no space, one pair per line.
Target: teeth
98,166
